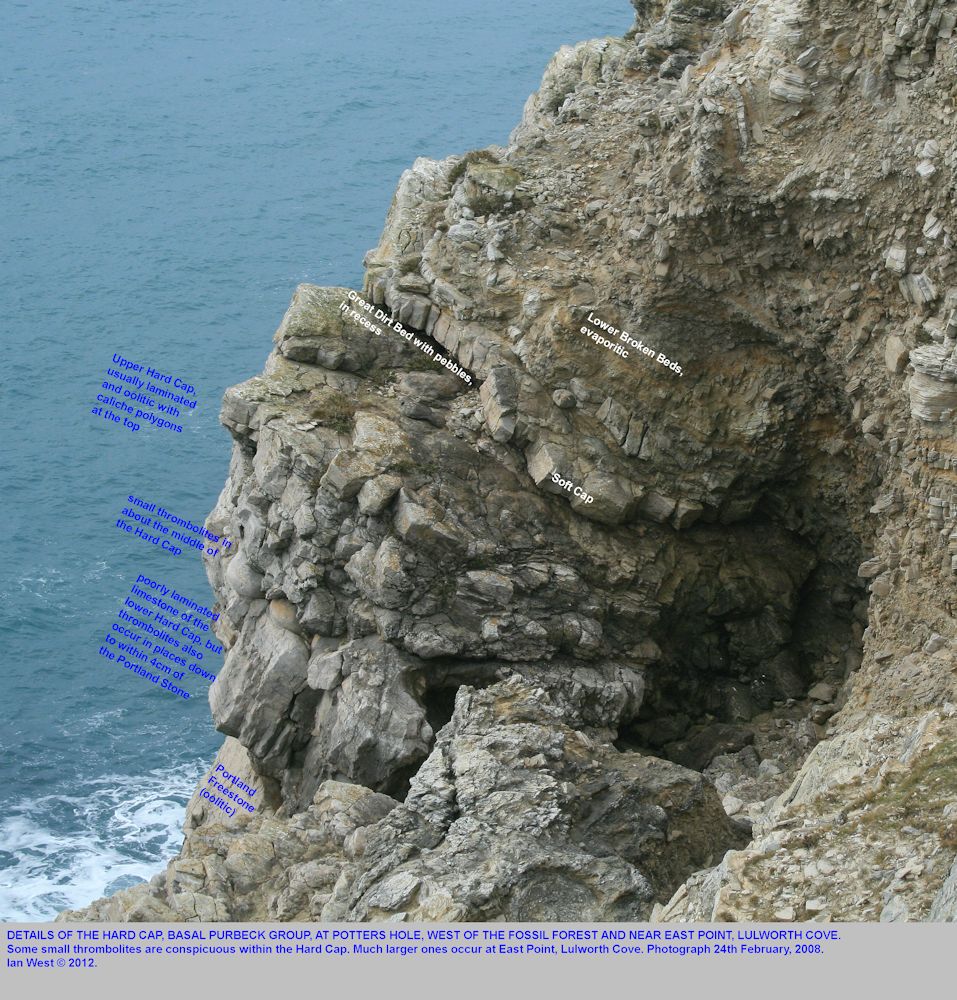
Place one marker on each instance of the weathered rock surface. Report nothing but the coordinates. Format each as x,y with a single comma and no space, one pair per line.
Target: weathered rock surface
513,815
503,645
865,832
944,907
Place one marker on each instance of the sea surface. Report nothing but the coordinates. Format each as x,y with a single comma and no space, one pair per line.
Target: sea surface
169,172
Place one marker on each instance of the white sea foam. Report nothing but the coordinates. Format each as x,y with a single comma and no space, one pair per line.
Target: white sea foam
95,571
119,831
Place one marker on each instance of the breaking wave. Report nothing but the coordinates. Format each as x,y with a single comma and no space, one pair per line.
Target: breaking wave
58,852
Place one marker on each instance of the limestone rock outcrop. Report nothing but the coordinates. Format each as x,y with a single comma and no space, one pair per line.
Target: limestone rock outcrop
513,815
598,558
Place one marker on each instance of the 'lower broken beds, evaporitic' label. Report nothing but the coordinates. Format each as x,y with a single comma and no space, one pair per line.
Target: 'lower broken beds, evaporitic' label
624,341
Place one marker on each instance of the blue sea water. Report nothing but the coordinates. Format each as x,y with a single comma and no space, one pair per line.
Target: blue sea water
168,173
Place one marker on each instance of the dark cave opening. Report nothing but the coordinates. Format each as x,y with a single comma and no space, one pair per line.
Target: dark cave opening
735,655
439,704
762,604
400,781
438,701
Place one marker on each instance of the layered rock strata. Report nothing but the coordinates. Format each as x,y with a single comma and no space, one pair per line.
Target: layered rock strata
715,680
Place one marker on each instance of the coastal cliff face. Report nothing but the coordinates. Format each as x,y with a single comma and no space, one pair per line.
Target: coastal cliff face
576,631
